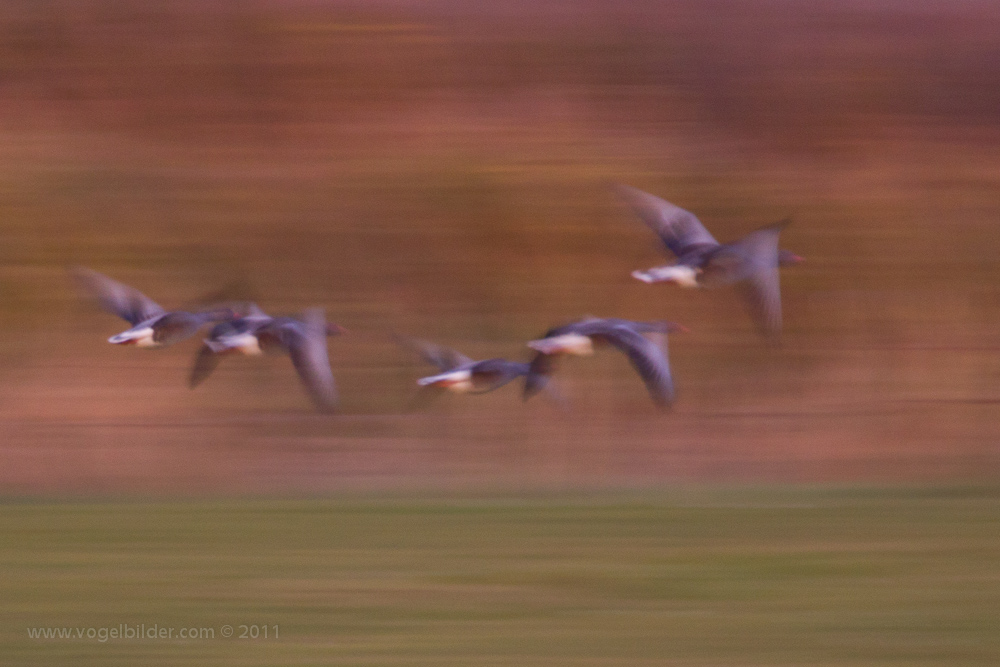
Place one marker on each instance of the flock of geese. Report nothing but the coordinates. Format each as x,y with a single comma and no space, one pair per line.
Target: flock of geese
750,263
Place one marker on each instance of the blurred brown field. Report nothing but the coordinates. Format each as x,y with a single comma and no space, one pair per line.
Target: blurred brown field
441,170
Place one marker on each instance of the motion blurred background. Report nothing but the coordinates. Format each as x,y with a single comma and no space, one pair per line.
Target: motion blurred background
441,169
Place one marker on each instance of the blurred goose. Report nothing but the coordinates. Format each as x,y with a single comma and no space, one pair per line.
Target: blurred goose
152,326
751,262
648,357
256,332
459,373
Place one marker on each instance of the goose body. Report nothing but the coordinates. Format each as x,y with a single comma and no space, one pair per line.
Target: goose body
569,342
304,340
458,381
461,375
648,357
152,325
140,336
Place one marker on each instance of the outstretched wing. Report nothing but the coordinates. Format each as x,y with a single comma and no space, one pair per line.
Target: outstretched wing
118,299
444,358
679,230
761,289
204,363
649,359
306,344
762,294
539,372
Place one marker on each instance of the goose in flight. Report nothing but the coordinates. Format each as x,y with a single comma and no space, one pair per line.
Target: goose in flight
460,374
648,356
751,263
152,326
256,332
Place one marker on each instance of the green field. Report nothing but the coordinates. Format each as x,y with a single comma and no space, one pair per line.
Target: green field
682,577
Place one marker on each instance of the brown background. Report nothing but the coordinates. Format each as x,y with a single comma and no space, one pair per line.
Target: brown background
442,170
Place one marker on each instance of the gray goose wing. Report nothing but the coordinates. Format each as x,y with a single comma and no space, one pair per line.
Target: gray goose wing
649,359
539,372
204,363
306,344
117,298
680,230
762,294
444,358
757,253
